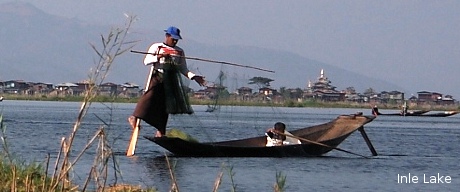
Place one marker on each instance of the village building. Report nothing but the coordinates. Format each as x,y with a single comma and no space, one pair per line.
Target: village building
426,97
244,93
323,90
129,90
15,87
391,97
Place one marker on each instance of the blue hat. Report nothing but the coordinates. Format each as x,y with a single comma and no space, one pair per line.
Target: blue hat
174,32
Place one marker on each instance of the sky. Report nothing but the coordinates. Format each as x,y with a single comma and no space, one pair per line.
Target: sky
415,44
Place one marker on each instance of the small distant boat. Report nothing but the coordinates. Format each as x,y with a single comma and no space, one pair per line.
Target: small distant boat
375,111
420,113
441,114
1,98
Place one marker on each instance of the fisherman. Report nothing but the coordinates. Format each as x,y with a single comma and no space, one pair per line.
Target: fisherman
375,110
274,138
164,94
404,108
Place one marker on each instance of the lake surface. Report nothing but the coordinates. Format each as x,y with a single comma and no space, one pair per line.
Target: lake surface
419,146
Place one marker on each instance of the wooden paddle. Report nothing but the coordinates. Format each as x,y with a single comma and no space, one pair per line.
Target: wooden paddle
368,141
133,142
320,144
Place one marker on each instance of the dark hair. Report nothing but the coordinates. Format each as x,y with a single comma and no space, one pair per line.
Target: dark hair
279,126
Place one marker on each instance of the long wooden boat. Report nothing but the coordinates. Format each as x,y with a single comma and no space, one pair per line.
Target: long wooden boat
441,114
329,135
375,111
420,113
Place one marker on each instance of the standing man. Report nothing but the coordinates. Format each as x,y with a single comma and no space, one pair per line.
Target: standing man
165,92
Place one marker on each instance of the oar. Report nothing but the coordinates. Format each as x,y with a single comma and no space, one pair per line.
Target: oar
320,144
211,61
133,142
368,141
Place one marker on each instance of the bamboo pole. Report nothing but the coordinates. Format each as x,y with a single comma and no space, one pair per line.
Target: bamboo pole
211,61
133,141
320,144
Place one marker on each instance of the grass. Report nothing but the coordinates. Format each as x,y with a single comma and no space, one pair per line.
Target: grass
17,175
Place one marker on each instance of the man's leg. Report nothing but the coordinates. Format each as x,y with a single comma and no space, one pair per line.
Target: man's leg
159,134
161,128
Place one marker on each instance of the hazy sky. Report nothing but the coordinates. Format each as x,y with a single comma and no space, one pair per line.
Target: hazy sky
415,44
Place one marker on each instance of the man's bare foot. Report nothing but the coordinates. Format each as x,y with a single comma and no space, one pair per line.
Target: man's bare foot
132,121
158,134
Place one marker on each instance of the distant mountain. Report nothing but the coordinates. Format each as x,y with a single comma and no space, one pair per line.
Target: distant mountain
38,47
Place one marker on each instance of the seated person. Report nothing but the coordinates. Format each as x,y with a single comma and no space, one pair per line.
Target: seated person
274,139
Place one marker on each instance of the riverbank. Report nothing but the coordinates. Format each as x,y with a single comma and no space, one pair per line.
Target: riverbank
229,102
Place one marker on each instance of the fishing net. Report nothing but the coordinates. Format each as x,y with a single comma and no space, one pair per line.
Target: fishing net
173,132
177,101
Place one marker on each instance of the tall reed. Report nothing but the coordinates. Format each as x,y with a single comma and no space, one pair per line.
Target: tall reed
113,45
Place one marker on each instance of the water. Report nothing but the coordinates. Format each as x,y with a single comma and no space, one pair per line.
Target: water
421,146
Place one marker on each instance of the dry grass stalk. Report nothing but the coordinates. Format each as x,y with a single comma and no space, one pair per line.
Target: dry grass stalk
174,187
231,174
218,181
14,183
113,45
44,176
125,188
8,155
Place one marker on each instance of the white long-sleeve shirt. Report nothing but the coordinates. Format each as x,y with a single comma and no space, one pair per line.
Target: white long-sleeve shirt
176,53
277,142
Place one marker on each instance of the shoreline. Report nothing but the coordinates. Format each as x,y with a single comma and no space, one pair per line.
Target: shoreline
228,102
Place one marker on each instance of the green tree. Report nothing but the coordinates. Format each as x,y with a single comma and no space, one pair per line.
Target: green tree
351,90
260,81
298,93
369,92
283,91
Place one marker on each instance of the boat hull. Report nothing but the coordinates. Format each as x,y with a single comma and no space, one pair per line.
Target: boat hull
331,134
422,114
441,114
410,113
